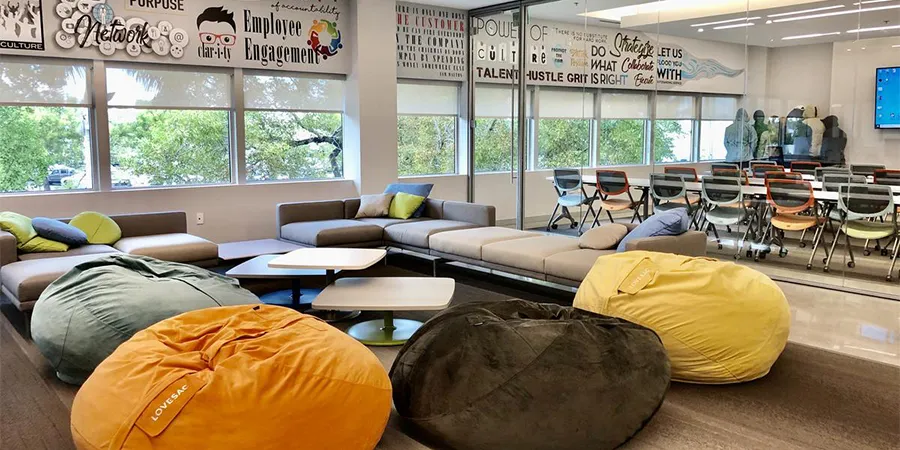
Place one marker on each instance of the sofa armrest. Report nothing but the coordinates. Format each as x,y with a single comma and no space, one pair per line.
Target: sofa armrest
149,224
286,213
8,252
483,215
692,243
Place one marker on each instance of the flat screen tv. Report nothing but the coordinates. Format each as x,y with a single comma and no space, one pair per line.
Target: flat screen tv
887,97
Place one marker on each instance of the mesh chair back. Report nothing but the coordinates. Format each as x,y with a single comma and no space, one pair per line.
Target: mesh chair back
865,169
666,187
726,166
612,182
761,170
722,190
821,171
687,173
863,201
784,176
567,179
832,181
790,196
805,167
761,162
738,174
888,177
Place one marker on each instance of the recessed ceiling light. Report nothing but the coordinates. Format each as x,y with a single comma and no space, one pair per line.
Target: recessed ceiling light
737,25
741,19
895,46
616,14
700,30
867,30
836,13
869,2
794,13
809,36
768,22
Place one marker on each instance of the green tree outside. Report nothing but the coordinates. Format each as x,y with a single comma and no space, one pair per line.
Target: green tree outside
33,139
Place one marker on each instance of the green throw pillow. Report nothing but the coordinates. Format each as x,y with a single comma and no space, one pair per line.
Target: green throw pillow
99,228
41,245
19,226
404,205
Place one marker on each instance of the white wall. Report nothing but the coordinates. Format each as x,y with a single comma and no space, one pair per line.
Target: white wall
799,75
853,99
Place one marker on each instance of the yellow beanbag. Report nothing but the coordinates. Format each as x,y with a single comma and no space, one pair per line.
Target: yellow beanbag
99,228
720,322
239,377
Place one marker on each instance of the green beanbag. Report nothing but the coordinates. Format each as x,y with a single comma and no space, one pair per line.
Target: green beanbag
83,316
18,225
99,228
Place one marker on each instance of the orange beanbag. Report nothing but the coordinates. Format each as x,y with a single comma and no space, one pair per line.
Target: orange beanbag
239,377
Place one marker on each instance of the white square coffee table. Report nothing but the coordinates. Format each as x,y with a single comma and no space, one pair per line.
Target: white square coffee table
329,259
387,294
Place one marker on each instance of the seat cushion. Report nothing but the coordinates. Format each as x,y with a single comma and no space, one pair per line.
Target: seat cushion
324,233
528,253
617,204
863,229
468,243
571,200
573,265
176,247
794,222
417,234
77,251
385,222
27,279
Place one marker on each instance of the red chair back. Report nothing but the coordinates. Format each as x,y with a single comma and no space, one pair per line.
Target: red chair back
689,173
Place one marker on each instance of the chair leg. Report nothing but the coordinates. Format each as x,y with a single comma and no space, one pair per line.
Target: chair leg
803,239
583,218
597,218
830,255
609,213
893,259
817,237
552,216
852,262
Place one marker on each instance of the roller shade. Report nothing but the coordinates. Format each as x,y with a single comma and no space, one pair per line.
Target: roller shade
288,93
624,106
719,108
566,104
428,99
491,101
44,83
168,88
674,107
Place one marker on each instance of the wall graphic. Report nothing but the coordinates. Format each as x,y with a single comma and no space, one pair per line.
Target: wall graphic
570,55
303,35
22,25
431,42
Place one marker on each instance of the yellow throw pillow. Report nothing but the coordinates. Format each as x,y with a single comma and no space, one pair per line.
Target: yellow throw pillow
404,205
17,225
41,245
99,228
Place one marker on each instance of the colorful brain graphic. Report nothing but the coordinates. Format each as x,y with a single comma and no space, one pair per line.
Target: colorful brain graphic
317,32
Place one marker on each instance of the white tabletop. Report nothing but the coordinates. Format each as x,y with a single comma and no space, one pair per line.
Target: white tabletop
387,294
329,258
757,185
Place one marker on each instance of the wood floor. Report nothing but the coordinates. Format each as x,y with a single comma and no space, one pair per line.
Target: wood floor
813,398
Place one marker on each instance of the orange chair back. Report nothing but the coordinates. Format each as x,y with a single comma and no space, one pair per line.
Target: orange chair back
790,196
612,182
689,173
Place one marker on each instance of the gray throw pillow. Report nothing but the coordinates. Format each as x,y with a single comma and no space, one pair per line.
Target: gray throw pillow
670,223
376,205
59,231
605,237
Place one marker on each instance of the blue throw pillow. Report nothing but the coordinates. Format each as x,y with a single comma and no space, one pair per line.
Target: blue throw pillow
58,231
420,189
670,223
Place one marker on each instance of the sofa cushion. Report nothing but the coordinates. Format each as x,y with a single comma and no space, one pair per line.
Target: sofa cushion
385,222
59,231
604,237
377,205
573,265
468,243
528,253
418,233
324,233
420,189
99,228
77,251
175,247
27,279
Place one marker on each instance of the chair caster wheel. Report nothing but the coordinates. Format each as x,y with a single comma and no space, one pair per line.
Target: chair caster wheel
884,252
763,256
809,267
749,253
554,226
782,253
867,253
720,246
574,225
803,245
889,278
825,270
737,257
851,264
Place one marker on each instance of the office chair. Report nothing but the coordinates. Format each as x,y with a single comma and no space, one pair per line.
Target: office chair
570,191
860,204
794,208
611,183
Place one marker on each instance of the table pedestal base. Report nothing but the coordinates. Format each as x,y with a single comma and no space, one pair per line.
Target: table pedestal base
301,300
385,332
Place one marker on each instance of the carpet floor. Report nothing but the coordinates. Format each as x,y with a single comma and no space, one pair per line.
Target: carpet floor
811,399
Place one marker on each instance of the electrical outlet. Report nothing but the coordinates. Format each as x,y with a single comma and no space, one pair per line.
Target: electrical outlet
199,218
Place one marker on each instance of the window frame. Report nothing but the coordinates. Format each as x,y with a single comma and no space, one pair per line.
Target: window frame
456,123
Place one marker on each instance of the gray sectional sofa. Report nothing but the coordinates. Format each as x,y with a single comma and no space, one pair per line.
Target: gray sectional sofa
163,235
462,232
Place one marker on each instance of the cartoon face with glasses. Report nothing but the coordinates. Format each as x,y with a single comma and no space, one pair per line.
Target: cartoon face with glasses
217,33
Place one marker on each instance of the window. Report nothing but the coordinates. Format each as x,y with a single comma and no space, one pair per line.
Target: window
496,128
44,127
293,128
426,128
717,113
622,128
674,128
564,128
168,128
